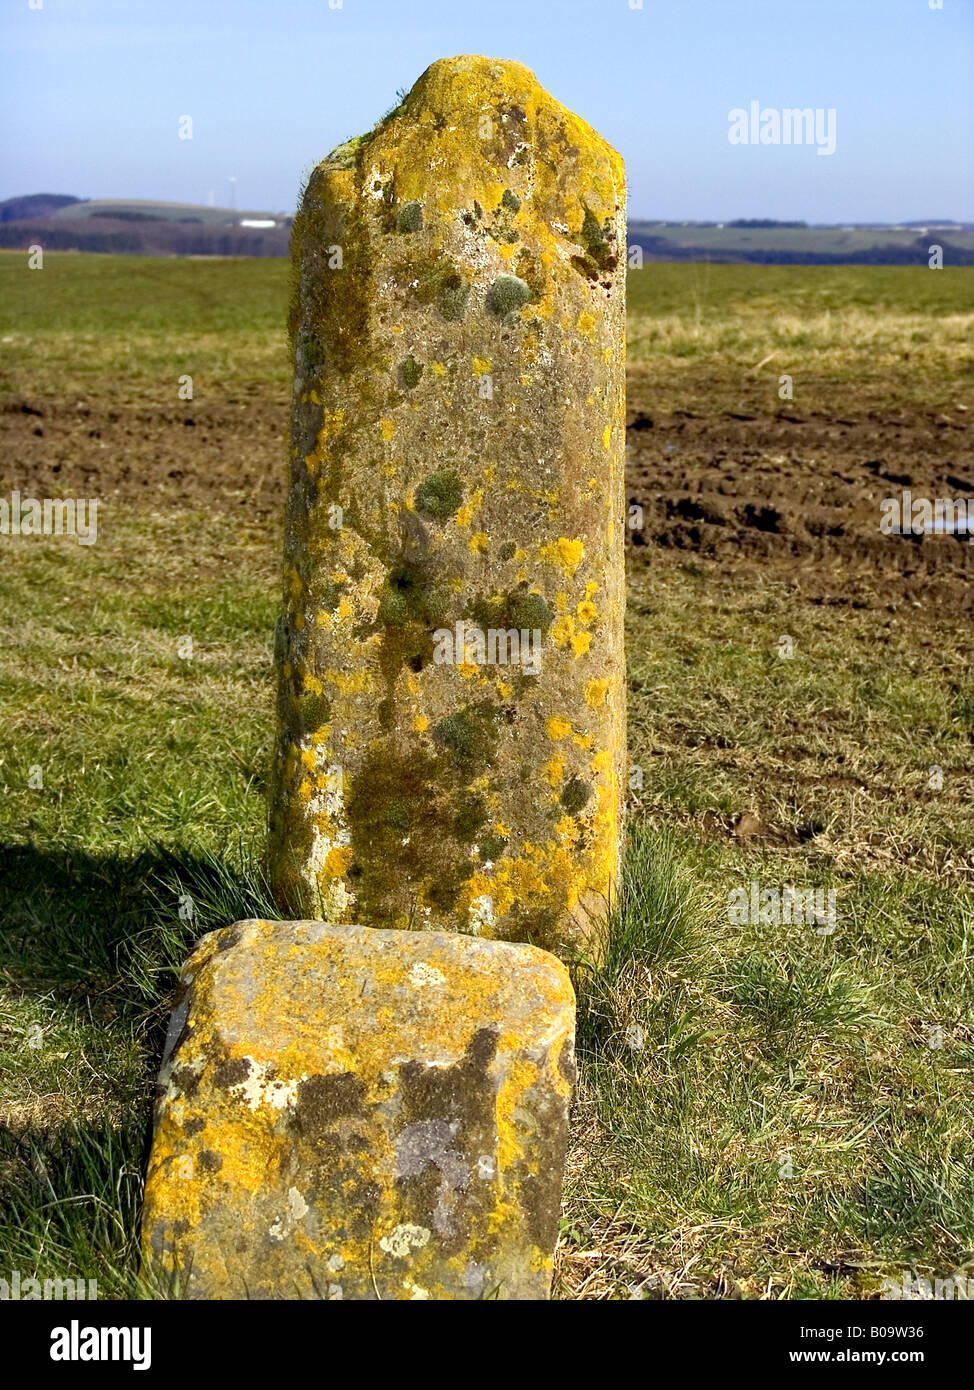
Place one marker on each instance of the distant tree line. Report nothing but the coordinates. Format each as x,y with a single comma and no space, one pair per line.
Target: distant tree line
762,222
120,215
916,253
67,236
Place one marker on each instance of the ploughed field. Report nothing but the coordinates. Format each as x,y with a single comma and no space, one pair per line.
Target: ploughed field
766,1108
880,360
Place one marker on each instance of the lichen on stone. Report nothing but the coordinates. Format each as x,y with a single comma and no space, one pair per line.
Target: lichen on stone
410,372
410,218
460,403
354,1113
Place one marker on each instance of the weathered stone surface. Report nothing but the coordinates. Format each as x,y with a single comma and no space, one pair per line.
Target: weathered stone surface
355,1113
457,455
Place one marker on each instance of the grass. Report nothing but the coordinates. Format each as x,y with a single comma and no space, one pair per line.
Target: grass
102,938
860,336
755,1113
127,327
97,696
130,326
763,1111
832,747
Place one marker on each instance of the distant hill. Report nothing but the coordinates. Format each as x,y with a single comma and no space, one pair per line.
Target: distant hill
143,227
151,210
34,205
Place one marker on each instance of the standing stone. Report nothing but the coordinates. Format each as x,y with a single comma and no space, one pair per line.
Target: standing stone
457,451
360,1114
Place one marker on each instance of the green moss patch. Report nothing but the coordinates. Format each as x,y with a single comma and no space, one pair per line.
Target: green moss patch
410,218
470,735
518,609
576,796
410,372
507,295
440,495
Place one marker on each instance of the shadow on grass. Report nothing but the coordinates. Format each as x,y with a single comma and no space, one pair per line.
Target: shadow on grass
100,940
117,927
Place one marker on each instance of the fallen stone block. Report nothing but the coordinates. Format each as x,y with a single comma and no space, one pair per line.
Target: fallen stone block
352,1113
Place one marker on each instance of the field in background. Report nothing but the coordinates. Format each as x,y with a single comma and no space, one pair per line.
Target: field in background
763,1111
804,245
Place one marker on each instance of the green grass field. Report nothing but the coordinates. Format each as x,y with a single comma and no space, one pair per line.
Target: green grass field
129,326
763,1111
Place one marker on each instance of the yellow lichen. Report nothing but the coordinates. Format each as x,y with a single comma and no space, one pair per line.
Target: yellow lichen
595,692
566,554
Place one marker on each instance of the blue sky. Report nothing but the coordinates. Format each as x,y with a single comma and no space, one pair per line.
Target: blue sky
93,91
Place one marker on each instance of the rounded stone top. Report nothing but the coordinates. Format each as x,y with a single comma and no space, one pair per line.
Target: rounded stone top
471,126
471,81
450,82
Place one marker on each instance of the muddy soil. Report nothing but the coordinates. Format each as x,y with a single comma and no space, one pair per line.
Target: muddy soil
797,494
787,493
